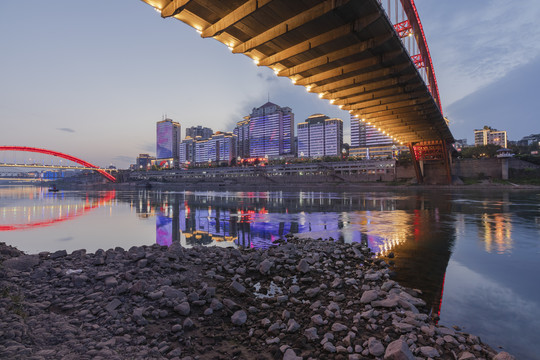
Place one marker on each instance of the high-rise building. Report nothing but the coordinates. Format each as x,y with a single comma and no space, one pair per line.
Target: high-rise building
203,132
320,136
364,135
168,140
271,131
242,133
220,148
187,150
487,135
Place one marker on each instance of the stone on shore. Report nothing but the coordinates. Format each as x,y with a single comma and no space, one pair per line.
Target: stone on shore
304,299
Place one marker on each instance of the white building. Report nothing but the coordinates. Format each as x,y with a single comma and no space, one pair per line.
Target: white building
320,136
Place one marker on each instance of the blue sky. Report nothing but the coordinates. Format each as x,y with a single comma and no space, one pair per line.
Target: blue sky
91,78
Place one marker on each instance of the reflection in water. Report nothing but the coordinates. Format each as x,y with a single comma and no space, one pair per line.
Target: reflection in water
422,229
410,227
53,207
497,232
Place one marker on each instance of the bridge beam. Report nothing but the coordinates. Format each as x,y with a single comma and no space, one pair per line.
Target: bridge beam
387,100
359,79
401,80
319,40
352,50
234,17
175,7
288,25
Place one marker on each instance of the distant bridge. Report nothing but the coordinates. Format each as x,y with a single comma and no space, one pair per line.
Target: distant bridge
85,165
369,57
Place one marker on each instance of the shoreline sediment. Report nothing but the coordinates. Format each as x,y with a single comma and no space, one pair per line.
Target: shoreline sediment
303,299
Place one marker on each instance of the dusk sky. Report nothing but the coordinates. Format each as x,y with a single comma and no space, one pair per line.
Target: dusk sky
92,78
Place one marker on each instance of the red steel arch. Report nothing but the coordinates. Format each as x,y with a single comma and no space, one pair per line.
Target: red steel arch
414,20
61,155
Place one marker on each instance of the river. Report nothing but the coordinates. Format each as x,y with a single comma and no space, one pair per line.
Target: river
474,254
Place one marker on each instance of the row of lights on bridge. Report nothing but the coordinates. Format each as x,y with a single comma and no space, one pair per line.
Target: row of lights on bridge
308,87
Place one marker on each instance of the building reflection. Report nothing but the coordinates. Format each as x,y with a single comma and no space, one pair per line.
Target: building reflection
410,227
496,232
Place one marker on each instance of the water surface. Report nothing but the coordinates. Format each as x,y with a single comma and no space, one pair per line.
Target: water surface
474,254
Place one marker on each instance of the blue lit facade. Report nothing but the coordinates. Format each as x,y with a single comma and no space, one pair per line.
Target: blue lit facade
271,131
320,136
168,141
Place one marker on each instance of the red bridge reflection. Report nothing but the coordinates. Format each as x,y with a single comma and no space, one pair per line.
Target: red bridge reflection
61,212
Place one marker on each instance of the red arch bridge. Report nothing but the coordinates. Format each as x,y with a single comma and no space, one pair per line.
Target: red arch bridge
369,57
84,164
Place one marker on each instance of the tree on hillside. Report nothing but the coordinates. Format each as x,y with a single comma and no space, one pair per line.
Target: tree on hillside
482,151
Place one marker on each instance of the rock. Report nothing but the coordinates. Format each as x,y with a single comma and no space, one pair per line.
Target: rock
58,254
239,288
373,276
113,305
111,281
311,334
337,327
21,263
274,340
466,356
291,355
303,266
368,296
388,285
216,305
375,347
429,352
239,317
265,266
292,326
183,309
403,327
504,356
337,283
329,347
317,320
188,324
294,289
312,292
172,293
230,304
398,350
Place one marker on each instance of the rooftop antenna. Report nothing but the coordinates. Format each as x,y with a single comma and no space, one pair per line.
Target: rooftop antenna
269,96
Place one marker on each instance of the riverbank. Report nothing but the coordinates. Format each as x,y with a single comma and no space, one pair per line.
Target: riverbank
301,300
366,186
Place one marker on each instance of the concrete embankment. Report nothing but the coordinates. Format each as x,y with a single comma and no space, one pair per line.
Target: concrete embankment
301,300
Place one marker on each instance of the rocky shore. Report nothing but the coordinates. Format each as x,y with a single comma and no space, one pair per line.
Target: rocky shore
303,299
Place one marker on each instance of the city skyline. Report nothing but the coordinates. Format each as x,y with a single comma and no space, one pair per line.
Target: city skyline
91,80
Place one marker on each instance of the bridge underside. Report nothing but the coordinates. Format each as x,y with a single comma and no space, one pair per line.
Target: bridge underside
347,51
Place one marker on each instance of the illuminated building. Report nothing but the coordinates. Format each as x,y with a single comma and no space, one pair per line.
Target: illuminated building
187,150
320,136
365,135
488,135
203,132
167,145
242,132
144,161
271,131
220,148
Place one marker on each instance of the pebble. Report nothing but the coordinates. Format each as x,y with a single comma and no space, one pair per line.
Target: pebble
330,300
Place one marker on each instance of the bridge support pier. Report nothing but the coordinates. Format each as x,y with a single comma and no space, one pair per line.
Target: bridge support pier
432,153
